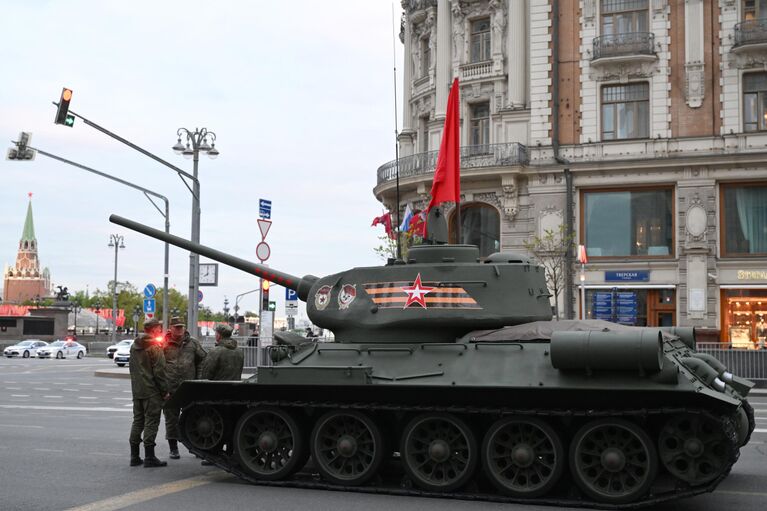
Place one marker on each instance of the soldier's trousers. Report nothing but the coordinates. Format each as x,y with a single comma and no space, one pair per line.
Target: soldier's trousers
146,419
171,422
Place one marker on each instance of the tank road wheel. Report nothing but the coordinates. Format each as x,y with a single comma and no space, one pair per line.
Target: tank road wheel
613,460
439,452
269,444
693,448
523,457
203,427
347,447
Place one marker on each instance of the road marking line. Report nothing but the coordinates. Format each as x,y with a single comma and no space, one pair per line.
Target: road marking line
19,395
86,397
759,430
85,384
123,398
97,390
107,454
12,388
54,397
22,426
147,494
70,408
41,388
48,450
745,493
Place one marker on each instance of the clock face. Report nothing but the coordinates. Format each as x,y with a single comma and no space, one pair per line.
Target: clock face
208,274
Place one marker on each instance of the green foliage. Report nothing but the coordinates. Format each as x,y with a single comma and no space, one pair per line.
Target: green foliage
388,247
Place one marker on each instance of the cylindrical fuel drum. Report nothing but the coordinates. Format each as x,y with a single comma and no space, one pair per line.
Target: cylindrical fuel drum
608,350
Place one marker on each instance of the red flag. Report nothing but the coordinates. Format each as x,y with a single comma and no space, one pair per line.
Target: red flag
418,224
384,219
447,179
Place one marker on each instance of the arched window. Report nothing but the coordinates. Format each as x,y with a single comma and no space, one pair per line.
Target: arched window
480,226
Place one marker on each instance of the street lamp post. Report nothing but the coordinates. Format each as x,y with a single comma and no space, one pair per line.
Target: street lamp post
116,241
75,309
196,141
136,313
226,309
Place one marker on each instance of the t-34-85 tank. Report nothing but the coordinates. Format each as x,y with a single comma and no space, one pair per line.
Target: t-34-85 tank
447,377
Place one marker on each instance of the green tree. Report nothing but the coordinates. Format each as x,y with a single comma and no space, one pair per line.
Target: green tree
550,250
388,247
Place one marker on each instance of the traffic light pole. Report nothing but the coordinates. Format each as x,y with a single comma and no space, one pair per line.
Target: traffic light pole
147,194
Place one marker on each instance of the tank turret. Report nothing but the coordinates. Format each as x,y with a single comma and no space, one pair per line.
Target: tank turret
439,294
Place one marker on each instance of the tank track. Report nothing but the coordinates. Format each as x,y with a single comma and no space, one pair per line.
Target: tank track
307,481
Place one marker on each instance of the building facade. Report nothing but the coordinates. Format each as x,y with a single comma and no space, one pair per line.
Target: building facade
640,125
24,280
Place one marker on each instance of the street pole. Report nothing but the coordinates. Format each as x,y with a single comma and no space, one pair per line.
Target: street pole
198,140
583,291
117,240
147,193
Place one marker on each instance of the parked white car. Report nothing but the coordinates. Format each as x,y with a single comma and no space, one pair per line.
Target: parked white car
62,349
25,349
113,348
122,355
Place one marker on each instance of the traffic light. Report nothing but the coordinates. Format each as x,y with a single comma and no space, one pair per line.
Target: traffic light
62,114
265,294
272,306
21,151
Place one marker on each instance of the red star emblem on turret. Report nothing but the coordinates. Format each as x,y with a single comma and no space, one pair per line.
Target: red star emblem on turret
416,293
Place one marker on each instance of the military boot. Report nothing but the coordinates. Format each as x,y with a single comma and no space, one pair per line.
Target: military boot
135,458
150,460
173,444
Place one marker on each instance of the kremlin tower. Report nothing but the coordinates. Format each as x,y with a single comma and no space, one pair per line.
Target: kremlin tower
24,281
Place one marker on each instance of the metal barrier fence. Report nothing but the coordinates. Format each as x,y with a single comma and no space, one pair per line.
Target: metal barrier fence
751,364
255,355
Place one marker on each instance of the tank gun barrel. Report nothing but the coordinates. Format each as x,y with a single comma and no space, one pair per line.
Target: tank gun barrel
298,284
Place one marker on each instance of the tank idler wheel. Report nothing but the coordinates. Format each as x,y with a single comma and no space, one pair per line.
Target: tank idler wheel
613,460
439,452
269,444
693,448
523,457
203,427
347,447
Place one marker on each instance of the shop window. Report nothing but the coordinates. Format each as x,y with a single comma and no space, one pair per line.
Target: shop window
745,318
633,307
480,40
744,220
754,102
480,226
628,223
625,111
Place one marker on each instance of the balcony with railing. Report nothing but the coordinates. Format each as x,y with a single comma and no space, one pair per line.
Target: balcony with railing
631,46
750,34
475,70
473,156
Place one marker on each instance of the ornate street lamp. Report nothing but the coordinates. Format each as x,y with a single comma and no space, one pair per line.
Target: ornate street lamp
116,242
198,140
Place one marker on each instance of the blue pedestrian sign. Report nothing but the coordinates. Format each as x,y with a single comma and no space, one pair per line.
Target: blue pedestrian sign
149,306
149,290
290,295
264,208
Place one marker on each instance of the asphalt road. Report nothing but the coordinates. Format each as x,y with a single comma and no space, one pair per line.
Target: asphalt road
63,445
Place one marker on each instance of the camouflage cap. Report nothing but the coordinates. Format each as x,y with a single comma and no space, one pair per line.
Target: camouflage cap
151,324
177,320
224,330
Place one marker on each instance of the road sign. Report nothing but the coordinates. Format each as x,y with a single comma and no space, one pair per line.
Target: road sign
291,308
149,315
263,251
290,295
263,226
266,328
149,305
149,290
264,208
199,296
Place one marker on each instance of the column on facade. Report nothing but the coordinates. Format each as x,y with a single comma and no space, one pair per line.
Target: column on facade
444,57
516,46
407,119
693,50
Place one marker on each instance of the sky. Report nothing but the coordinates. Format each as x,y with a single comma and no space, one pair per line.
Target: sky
300,97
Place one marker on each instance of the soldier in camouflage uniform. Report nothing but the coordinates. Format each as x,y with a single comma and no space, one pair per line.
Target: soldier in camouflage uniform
150,388
225,361
183,356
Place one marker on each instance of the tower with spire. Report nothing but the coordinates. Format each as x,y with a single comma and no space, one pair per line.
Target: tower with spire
24,281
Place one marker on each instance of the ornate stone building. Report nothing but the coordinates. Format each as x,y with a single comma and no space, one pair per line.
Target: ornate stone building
24,280
640,124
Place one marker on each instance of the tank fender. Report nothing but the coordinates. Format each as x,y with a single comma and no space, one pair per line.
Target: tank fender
640,350
705,372
741,385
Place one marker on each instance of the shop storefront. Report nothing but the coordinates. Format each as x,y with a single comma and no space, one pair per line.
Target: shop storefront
744,314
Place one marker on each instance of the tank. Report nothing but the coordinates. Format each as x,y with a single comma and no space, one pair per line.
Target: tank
448,378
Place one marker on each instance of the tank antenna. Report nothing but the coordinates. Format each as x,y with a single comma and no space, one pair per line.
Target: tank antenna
396,134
